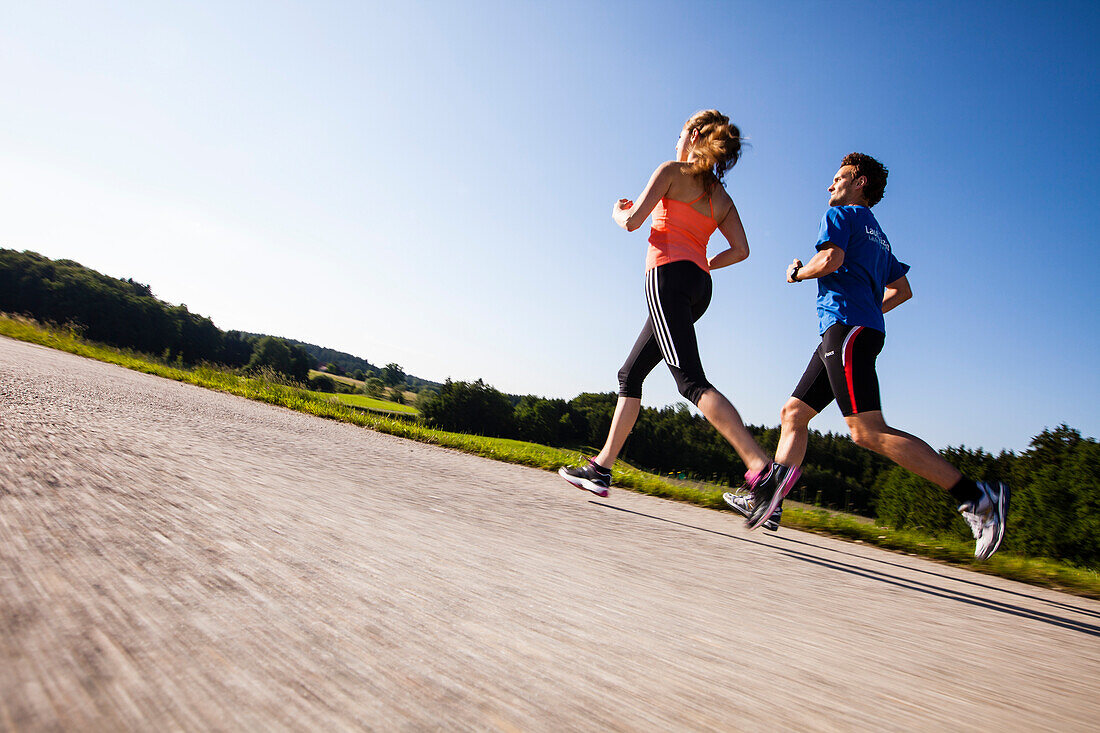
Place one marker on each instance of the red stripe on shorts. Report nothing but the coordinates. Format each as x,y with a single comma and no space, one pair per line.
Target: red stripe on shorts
847,349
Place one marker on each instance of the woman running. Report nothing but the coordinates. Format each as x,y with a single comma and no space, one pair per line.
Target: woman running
688,203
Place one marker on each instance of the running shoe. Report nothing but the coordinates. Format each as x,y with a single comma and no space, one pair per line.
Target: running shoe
988,518
768,493
741,501
589,478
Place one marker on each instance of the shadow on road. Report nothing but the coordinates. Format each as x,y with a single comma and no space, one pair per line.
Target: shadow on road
899,581
1057,604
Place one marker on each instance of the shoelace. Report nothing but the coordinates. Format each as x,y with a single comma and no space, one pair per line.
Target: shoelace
745,500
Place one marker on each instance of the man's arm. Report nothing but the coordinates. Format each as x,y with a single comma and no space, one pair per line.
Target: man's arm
896,293
828,260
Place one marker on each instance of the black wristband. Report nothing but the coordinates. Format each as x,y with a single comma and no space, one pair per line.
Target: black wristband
794,273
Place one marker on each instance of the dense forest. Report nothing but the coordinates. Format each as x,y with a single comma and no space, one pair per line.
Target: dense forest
1056,482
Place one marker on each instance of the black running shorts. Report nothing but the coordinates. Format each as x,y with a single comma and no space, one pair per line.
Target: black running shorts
843,367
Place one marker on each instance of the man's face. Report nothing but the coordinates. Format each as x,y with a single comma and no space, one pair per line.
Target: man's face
846,189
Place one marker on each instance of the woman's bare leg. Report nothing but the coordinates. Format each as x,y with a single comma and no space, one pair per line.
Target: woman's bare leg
725,418
626,414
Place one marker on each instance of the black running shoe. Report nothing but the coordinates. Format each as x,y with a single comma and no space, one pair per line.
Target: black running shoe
589,478
741,502
768,493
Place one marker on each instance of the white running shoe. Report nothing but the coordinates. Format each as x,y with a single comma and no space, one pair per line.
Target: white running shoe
989,518
741,502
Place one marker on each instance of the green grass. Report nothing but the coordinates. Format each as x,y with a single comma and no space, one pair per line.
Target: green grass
1038,571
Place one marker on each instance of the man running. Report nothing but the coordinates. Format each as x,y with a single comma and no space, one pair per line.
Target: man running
859,279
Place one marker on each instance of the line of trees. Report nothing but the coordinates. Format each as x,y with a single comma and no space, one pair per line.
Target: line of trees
121,313
336,362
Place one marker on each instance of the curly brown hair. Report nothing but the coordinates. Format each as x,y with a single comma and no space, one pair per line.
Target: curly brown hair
717,148
875,173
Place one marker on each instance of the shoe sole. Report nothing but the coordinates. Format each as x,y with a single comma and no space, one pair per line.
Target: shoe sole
778,496
1002,515
770,524
584,484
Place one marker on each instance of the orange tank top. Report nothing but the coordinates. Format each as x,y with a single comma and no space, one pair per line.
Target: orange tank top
679,233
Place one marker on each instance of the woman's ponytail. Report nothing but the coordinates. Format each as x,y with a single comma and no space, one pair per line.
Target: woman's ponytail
717,147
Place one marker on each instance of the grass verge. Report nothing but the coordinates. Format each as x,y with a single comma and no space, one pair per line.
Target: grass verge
1037,571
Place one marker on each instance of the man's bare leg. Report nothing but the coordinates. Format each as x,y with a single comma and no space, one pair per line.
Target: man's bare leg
794,432
870,431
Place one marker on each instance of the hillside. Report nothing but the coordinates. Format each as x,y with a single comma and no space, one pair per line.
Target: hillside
350,363
127,314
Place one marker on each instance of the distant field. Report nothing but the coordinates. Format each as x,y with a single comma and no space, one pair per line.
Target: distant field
368,402
361,400
336,377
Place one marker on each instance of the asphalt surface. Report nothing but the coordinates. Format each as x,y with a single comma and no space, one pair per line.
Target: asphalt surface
173,558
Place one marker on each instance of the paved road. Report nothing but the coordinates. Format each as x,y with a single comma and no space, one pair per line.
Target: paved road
174,558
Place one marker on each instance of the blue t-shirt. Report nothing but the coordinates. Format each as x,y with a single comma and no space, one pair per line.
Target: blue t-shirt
853,294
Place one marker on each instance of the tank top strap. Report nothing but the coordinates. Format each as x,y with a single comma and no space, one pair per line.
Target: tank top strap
710,202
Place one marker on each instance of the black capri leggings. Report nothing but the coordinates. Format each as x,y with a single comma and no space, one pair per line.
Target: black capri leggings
678,295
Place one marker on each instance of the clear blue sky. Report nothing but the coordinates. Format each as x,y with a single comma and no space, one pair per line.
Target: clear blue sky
431,183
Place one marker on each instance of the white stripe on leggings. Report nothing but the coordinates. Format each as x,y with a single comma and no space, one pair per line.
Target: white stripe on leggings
650,296
660,323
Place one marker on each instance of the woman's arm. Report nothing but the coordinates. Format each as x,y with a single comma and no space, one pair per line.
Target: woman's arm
629,215
734,232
